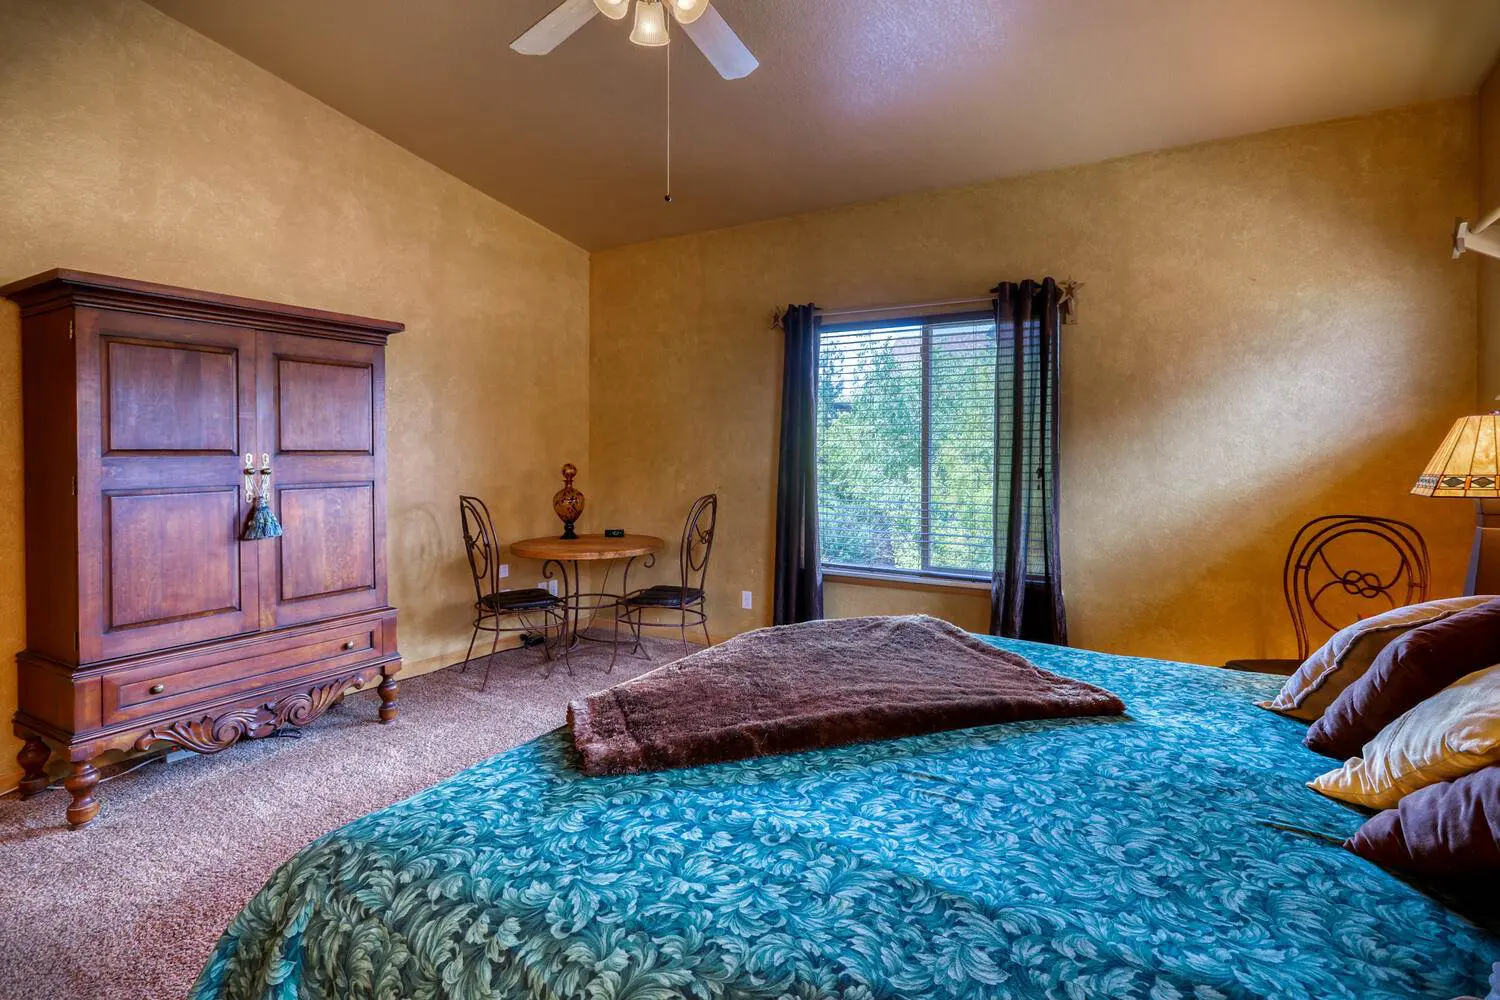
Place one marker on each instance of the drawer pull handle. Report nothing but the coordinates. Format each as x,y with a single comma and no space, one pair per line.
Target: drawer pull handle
349,644
158,688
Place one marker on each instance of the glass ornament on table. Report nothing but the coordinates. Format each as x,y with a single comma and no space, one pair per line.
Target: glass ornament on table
568,502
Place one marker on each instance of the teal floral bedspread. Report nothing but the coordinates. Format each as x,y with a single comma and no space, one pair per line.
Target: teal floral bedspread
1173,853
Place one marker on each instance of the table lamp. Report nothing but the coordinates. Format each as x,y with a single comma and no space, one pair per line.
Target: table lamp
1465,465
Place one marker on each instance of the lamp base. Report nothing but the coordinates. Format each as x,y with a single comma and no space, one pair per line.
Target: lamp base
570,534
1484,561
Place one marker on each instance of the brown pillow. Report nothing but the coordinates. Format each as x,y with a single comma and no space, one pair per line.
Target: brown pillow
1451,828
1348,653
1410,670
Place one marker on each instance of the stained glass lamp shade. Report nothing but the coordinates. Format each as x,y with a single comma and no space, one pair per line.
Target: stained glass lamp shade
1467,464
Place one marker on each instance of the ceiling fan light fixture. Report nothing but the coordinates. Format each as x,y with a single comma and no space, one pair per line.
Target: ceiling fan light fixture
613,9
650,24
688,11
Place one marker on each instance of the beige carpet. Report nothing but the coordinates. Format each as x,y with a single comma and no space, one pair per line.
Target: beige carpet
131,906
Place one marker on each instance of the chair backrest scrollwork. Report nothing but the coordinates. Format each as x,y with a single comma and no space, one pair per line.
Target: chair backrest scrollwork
1351,564
698,540
481,546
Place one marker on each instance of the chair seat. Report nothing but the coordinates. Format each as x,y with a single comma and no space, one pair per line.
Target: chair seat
529,599
664,596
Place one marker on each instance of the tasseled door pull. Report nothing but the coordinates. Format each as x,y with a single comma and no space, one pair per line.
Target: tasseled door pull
262,522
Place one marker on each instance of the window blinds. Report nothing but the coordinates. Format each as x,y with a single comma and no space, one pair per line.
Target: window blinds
906,445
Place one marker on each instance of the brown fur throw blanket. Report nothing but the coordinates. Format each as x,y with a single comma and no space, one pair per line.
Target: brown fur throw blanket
819,684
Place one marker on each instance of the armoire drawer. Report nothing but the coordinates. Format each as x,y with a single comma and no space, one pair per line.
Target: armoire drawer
138,692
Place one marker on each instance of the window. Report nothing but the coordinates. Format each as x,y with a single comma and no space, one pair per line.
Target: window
906,445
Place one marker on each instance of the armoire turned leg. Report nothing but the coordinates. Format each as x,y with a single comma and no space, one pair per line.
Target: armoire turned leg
33,760
80,784
388,689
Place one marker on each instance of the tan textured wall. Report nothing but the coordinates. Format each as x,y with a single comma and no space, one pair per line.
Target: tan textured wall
131,145
1270,329
1489,267
965,608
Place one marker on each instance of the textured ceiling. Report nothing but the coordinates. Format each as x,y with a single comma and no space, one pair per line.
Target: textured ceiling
854,99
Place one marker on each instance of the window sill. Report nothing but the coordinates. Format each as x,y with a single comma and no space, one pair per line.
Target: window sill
904,581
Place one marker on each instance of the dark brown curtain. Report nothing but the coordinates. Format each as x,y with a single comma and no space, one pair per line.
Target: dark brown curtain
799,569
1026,594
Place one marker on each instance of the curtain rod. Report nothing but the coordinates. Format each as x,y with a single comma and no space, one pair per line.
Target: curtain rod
907,307
1068,300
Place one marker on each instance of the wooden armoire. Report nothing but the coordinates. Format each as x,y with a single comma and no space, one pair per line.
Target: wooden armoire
153,416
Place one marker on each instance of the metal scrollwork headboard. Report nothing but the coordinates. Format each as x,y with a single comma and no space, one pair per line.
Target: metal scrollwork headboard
1318,571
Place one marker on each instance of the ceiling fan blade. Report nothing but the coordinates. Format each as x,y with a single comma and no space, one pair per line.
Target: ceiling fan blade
712,34
552,30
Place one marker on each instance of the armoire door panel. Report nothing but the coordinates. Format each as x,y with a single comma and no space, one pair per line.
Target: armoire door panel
172,556
163,396
322,409
328,544
166,409
324,406
173,570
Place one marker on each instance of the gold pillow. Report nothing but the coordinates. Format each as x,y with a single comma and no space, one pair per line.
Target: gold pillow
1449,735
1346,656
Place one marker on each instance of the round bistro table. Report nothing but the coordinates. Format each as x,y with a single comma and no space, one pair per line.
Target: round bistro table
562,556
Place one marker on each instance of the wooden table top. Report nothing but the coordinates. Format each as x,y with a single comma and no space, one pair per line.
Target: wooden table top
589,547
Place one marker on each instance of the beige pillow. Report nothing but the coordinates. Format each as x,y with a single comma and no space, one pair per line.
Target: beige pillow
1449,735
1346,656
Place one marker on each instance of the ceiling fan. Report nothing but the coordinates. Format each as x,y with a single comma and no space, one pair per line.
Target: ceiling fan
704,25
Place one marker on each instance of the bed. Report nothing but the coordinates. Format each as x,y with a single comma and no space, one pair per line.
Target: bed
1170,853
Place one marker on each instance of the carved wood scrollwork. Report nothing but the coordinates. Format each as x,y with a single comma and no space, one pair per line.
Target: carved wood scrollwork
210,734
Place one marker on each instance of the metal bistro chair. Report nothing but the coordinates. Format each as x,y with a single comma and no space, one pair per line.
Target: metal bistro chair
685,597
493,605
1321,578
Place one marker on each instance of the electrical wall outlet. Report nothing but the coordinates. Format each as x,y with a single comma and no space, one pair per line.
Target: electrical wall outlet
747,600
504,570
